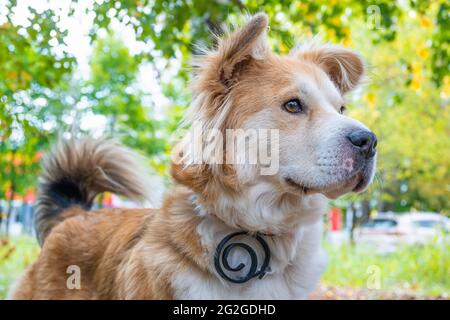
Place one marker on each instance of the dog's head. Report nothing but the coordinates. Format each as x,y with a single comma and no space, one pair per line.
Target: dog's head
243,85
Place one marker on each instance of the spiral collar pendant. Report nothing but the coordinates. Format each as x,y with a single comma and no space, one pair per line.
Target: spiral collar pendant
223,251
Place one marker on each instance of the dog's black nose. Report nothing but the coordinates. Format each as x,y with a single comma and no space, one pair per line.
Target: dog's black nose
365,141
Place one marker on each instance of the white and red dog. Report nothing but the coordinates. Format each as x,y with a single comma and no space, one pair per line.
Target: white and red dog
170,252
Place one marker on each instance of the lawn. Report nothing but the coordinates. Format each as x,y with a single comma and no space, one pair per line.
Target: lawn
15,255
422,270
416,269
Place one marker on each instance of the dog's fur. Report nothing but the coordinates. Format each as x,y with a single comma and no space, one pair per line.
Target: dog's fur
168,252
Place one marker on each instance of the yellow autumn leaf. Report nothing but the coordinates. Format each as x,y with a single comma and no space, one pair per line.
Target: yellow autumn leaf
416,68
445,92
370,98
284,48
336,20
310,17
416,81
331,34
425,22
302,6
422,52
347,41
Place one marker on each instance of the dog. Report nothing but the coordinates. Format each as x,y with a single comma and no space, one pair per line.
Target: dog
178,251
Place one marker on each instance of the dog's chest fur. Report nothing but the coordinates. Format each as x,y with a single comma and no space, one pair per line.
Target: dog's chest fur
296,264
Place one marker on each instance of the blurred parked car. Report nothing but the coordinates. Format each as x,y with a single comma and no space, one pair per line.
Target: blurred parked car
387,230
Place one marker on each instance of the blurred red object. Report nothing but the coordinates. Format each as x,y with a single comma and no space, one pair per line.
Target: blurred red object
335,219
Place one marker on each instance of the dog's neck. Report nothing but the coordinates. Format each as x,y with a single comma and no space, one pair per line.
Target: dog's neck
193,226
284,236
260,209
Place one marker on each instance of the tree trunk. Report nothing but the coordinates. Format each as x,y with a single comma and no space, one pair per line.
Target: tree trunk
365,211
8,214
353,226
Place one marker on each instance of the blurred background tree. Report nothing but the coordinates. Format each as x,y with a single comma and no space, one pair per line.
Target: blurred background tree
42,94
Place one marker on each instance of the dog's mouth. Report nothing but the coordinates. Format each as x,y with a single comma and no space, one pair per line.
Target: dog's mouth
296,186
363,181
354,183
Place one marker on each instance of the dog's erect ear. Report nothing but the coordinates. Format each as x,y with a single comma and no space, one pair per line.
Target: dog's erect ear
234,50
343,66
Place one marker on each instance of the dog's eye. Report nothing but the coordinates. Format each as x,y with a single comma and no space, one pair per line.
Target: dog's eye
293,106
342,109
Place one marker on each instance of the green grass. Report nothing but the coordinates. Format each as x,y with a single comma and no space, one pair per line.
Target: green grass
420,269
15,255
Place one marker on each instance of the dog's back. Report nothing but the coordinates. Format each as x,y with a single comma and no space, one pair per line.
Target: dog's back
77,171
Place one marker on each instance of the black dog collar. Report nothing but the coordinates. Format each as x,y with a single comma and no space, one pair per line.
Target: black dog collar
223,250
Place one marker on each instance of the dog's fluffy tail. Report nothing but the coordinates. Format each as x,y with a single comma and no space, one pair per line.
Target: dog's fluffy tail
78,170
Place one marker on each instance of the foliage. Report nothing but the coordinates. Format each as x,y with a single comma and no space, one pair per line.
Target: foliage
111,91
405,103
410,115
28,65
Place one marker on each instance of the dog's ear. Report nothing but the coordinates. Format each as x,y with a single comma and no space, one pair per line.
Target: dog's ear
235,50
246,43
344,67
